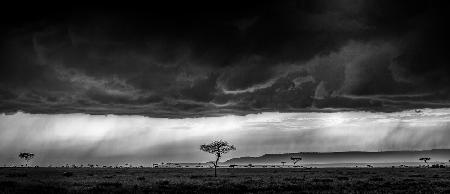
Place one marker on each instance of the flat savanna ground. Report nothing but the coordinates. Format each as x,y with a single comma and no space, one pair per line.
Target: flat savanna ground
246,180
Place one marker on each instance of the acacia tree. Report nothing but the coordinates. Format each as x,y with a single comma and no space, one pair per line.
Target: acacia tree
218,148
295,159
26,156
425,160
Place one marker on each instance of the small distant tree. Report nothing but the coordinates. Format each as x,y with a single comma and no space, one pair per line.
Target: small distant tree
295,159
425,159
283,163
218,148
26,156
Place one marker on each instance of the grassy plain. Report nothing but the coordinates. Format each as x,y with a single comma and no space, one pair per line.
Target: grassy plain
238,180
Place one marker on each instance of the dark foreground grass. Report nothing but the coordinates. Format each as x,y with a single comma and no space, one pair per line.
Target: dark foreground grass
149,180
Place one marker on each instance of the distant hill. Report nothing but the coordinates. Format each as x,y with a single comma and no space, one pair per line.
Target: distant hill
351,157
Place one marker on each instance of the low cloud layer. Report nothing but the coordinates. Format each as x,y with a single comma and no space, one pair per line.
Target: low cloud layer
189,60
115,140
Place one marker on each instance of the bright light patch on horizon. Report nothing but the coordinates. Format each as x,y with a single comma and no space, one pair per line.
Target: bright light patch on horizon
56,139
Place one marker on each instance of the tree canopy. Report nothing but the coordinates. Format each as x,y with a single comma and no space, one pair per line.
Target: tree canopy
217,147
26,156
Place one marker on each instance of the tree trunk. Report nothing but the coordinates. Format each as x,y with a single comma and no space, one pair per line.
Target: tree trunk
215,164
215,170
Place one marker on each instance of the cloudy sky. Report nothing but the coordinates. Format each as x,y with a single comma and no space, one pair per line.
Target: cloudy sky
110,68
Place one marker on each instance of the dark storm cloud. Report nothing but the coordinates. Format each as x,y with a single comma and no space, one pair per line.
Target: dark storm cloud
194,59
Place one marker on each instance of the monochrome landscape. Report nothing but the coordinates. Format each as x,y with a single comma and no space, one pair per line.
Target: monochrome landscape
295,96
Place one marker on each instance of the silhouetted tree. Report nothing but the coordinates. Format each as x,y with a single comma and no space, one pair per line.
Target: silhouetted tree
218,148
425,160
26,156
295,159
283,163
